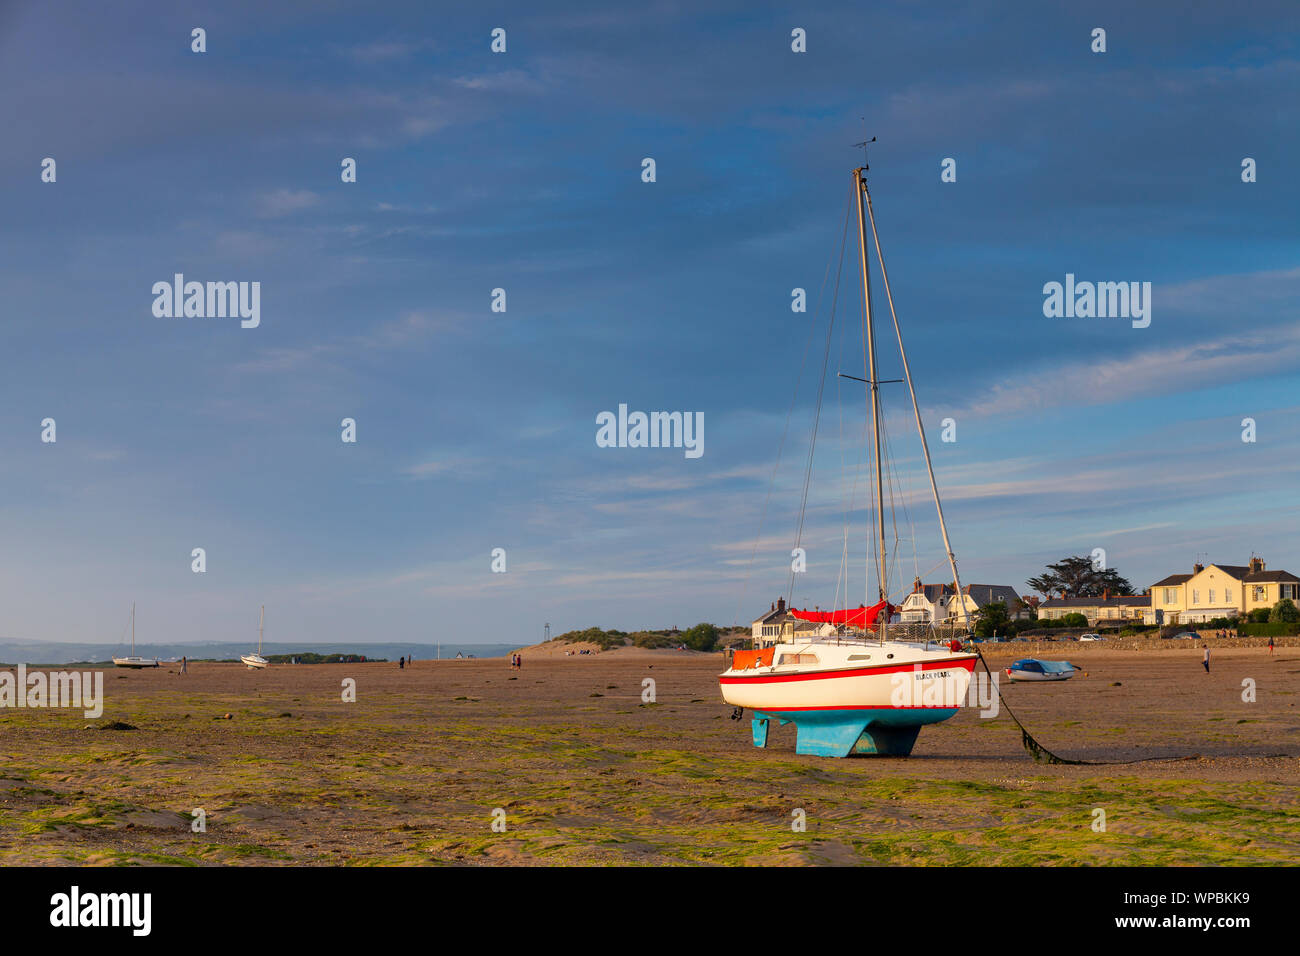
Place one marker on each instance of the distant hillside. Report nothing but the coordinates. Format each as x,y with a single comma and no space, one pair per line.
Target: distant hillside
701,637
53,652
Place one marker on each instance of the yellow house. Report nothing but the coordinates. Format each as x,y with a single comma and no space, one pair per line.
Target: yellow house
1220,590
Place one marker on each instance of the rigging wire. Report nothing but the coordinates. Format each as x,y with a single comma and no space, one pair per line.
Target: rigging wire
821,388
740,601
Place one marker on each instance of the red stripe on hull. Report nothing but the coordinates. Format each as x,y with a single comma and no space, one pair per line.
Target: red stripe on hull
783,710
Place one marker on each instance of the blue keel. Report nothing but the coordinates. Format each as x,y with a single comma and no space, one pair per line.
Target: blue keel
838,733
887,741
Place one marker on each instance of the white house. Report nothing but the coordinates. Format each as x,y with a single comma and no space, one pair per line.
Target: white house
926,604
975,596
939,604
778,621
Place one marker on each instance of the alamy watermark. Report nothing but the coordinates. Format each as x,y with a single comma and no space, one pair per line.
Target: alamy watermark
83,689
1101,300
128,910
653,430
951,687
208,300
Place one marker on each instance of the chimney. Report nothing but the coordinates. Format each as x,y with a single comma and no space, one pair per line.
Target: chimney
780,604
1256,565
1197,568
1105,594
917,586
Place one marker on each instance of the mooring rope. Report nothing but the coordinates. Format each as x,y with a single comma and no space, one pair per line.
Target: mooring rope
1042,755
1036,750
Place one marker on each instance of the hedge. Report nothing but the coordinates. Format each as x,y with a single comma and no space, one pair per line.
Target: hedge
1278,629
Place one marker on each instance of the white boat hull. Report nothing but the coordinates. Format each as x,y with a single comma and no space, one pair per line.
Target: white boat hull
254,661
851,696
134,662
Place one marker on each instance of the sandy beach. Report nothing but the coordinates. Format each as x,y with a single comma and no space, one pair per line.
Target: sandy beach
585,772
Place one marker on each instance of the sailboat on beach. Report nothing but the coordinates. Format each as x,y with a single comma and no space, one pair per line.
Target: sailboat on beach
257,661
845,685
133,661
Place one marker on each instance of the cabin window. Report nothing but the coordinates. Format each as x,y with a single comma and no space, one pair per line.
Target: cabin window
798,659
859,657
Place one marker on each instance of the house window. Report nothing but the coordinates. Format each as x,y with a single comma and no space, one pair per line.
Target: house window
1211,595
1196,596
1289,591
1169,596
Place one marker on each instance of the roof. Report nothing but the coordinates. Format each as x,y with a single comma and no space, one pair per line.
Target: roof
1257,576
780,617
933,592
991,593
1172,580
1238,571
1120,600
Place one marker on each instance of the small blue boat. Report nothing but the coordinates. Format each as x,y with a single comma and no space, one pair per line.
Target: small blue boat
1030,668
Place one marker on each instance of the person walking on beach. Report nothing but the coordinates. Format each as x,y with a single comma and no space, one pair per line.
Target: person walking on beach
1270,646
184,662
1206,659
401,663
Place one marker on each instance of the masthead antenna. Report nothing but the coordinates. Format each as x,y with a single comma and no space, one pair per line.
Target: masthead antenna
864,144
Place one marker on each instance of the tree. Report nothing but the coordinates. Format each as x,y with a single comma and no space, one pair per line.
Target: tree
1284,612
1259,615
1076,577
1074,619
702,637
992,619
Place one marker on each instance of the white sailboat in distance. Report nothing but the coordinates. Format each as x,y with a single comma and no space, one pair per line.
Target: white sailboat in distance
257,661
133,661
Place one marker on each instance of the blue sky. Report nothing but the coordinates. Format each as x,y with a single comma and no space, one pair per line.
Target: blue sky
476,430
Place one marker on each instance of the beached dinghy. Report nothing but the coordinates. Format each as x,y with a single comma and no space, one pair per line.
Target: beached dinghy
133,661
851,690
257,661
1029,668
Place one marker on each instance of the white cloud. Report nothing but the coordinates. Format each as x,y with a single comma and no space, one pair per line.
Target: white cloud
507,81
282,202
1161,371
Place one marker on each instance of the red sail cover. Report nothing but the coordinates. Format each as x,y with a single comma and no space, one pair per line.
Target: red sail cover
866,618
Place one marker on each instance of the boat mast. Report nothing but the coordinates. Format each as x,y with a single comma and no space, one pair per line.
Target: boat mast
916,411
261,616
133,629
860,185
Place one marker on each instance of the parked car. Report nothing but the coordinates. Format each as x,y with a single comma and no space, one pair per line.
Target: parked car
1187,636
1090,637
